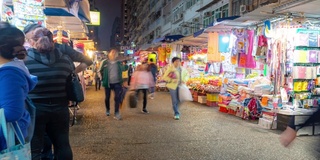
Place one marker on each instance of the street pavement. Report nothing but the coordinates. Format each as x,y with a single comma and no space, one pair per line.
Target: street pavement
202,133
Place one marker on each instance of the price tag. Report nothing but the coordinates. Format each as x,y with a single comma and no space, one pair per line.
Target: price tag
226,80
233,60
220,99
242,60
264,101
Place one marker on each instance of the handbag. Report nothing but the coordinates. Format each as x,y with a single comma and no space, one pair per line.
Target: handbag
74,88
133,99
21,151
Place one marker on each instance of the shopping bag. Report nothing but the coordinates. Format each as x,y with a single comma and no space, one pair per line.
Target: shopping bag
122,96
184,93
133,99
20,151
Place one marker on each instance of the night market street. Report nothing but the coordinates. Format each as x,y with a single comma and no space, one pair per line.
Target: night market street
201,133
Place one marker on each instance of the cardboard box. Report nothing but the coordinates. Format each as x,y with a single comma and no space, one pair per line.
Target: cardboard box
267,124
305,131
202,99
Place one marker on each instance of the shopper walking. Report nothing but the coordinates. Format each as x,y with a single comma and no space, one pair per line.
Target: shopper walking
15,80
130,73
174,76
97,76
52,67
142,81
111,72
153,69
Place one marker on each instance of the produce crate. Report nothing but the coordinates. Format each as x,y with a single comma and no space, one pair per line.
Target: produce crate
212,104
213,97
223,109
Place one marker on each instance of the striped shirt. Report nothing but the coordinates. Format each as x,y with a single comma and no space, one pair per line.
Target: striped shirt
52,70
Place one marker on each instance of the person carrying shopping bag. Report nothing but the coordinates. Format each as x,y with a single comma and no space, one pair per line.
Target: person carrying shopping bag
142,81
175,75
15,83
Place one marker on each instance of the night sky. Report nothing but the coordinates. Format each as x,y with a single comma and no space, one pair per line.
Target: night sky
109,9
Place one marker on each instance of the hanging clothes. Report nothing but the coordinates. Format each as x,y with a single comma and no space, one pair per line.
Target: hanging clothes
213,47
251,63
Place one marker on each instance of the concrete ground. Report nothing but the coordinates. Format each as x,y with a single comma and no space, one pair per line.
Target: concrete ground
202,133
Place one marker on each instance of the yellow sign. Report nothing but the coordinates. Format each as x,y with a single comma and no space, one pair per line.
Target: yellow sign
95,18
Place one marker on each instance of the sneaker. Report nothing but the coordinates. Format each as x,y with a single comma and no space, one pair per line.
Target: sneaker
176,117
108,113
145,111
118,117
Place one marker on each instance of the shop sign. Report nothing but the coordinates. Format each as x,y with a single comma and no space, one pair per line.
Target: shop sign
95,18
127,48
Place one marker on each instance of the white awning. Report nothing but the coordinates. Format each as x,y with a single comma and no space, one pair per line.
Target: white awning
74,25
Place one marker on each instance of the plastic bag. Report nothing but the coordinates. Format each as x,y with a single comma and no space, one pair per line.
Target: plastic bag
184,93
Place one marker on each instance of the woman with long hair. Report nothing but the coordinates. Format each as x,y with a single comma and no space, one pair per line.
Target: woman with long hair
15,79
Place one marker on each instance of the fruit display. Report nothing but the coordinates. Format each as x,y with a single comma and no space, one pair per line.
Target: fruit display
209,84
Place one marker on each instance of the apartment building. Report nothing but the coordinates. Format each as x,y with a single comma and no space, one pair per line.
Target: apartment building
152,19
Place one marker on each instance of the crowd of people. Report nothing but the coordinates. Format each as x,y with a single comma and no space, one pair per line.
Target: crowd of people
33,65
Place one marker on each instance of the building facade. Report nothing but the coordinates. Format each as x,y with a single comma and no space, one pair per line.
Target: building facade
115,38
151,19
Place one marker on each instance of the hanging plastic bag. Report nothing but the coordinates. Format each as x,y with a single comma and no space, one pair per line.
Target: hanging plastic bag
184,93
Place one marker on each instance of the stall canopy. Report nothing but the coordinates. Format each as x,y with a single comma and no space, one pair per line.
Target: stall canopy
60,15
200,37
84,11
74,25
170,38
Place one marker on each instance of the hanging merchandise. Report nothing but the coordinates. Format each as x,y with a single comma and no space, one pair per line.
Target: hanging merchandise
240,44
250,62
213,47
28,12
6,14
168,51
262,47
152,56
242,60
162,56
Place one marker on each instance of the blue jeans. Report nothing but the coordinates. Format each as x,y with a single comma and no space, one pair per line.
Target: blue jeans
175,100
117,96
152,89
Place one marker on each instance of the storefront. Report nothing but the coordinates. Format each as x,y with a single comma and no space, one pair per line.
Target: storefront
258,67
